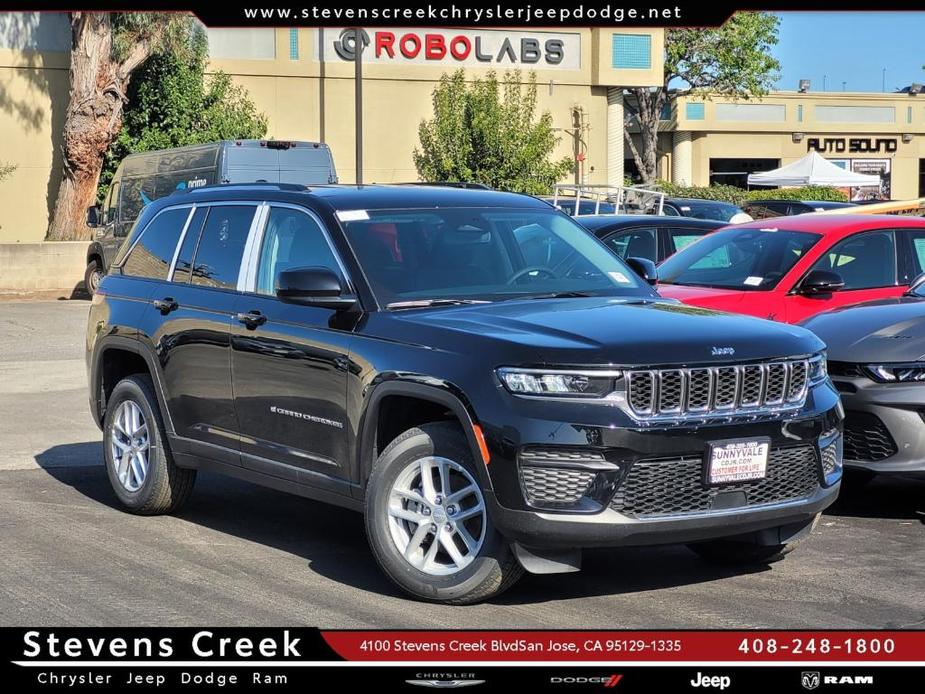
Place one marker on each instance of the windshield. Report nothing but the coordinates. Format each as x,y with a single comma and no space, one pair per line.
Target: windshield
482,254
745,259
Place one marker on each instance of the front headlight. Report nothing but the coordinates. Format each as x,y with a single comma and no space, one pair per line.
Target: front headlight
559,384
818,370
896,373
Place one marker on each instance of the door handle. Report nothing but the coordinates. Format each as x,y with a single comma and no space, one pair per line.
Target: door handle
166,305
251,319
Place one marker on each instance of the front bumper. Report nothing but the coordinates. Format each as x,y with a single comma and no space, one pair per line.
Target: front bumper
616,513
884,426
611,529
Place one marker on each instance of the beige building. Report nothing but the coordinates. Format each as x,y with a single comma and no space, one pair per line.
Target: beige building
303,79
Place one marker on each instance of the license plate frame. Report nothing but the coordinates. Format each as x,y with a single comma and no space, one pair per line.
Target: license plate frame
760,446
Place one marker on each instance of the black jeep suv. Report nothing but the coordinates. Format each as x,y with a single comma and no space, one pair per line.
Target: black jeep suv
471,369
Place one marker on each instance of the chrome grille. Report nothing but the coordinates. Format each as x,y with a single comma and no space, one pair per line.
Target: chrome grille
717,390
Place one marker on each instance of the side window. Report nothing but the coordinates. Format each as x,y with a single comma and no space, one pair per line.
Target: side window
183,270
154,251
292,239
218,257
635,243
679,238
915,255
864,261
111,206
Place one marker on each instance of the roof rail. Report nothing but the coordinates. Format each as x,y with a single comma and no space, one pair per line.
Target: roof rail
625,199
260,185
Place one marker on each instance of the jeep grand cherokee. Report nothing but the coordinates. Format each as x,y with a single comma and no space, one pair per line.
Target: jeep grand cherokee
470,369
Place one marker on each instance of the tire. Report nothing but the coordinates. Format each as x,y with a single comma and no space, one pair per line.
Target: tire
435,576
93,275
733,553
163,487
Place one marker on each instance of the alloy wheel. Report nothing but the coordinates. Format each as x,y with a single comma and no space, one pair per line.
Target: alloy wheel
129,443
437,516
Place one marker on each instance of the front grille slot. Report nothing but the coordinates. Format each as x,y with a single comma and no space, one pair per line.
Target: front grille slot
867,440
717,390
675,486
557,477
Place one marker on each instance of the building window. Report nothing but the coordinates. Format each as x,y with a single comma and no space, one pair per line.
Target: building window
908,114
293,44
695,111
855,114
771,113
922,178
800,112
734,172
632,51
243,44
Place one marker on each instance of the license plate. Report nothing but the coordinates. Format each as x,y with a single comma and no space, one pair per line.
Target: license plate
737,460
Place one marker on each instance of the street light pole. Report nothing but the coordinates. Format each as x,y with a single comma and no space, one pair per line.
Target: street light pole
358,100
883,85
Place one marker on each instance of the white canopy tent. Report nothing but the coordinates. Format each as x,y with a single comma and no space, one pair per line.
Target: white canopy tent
812,170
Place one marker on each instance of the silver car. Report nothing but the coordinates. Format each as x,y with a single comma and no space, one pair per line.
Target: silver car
876,353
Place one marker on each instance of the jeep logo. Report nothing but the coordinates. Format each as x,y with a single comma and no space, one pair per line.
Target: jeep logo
722,351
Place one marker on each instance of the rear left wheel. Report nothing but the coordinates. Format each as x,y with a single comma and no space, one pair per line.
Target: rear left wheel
93,275
427,521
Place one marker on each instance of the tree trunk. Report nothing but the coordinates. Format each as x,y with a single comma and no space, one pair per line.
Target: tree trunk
647,113
92,121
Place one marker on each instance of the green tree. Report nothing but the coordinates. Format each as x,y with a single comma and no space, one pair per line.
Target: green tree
487,132
173,103
733,60
106,50
6,170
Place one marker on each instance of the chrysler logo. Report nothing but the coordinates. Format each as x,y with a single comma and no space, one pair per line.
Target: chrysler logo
722,351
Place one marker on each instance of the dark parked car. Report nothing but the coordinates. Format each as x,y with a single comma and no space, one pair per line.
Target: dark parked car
472,370
765,209
653,237
875,360
705,209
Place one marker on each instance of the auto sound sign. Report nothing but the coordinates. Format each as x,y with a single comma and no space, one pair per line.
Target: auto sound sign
458,47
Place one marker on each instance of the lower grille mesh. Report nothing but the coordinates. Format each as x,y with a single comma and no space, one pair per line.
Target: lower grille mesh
554,485
670,486
866,438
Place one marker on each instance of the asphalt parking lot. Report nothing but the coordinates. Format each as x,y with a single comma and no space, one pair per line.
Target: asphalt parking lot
239,554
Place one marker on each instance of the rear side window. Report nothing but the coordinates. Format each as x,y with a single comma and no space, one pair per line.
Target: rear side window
183,269
680,238
221,246
154,251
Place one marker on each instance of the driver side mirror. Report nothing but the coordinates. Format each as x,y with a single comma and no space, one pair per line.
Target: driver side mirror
821,282
313,286
94,216
917,287
645,268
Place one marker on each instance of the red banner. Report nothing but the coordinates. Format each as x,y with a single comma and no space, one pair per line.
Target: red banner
629,646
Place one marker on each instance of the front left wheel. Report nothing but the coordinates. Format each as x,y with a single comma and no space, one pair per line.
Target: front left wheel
427,521
140,466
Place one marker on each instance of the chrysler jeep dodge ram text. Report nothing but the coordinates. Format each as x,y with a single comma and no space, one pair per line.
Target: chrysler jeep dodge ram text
475,372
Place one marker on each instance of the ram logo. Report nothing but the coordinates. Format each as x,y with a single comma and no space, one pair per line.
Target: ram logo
809,680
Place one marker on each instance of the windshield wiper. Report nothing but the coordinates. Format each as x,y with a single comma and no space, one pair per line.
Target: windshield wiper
557,295
426,303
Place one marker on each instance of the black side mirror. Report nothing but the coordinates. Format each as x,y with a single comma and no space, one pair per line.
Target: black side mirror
313,286
93,216
821,282
645,268
916,287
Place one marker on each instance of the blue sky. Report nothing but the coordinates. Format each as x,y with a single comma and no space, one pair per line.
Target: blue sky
853,47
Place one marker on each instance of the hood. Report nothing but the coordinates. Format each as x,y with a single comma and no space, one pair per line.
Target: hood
604,330
709,297
890,330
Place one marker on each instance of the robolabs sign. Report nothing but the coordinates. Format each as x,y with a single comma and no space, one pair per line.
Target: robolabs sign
458,47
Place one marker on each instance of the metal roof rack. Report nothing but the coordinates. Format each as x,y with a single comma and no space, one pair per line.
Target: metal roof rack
625,199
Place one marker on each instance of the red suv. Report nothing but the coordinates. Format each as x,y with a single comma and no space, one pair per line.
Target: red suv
790,268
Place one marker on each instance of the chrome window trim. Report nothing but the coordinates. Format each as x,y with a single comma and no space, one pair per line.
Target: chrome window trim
249,283
246,269
176,251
